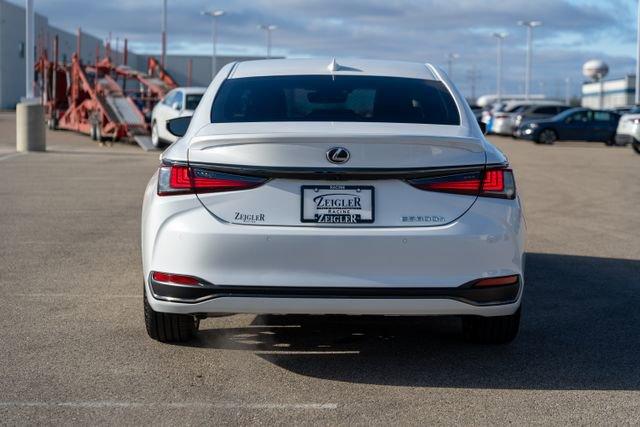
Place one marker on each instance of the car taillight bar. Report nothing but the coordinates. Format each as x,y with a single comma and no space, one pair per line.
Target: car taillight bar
181,179
176,279
492,182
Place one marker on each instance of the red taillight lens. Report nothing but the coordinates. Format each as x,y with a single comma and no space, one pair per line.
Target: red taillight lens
179,179
176,279
488,183
497,281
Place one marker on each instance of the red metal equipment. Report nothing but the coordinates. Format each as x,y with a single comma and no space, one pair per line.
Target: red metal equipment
89,99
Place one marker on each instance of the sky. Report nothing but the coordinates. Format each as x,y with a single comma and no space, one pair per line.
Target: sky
573,32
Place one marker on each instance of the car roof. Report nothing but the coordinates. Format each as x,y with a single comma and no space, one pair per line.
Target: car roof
359,67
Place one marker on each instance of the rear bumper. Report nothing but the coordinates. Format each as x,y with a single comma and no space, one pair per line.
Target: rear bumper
624,139
320,270
467,293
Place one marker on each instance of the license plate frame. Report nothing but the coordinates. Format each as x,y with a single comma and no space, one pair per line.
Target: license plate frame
352,190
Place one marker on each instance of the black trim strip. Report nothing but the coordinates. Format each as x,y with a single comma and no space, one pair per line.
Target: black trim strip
492,295
336,173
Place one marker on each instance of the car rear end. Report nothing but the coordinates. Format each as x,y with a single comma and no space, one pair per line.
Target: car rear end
333,193
628,130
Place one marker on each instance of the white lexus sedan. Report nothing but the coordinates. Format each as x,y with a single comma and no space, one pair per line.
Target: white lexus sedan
179,102
320,187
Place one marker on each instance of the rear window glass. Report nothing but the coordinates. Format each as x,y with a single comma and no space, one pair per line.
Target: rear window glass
193,101
334,98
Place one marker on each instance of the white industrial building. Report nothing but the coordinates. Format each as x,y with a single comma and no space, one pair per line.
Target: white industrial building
609,93
12,54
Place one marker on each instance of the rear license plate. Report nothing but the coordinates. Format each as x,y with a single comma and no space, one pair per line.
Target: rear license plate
337,204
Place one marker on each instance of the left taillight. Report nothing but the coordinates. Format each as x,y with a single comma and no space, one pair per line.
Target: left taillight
492,182
181,179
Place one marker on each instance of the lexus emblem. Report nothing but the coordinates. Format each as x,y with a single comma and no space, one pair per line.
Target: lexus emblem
338,155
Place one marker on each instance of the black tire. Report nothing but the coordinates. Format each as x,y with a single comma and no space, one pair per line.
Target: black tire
93,133
636,146
491,330
547,136
167,327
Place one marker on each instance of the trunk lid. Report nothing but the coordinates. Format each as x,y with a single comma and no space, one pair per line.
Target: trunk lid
294,155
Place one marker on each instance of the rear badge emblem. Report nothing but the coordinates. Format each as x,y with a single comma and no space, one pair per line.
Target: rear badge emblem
338,155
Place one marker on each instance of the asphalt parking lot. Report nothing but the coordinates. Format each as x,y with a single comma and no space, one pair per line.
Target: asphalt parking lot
73,348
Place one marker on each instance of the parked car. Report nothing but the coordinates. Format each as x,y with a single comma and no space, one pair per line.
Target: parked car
536,112
628,131
178,102
573,124
301,187
504,120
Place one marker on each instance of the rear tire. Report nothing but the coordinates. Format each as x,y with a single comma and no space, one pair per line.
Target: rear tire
491,330
636,146
167,327
547,136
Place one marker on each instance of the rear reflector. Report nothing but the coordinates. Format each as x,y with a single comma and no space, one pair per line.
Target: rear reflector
496,281
495,182
178,179
176,279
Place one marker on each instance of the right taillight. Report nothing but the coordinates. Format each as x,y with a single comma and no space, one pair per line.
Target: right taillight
180,179
492,182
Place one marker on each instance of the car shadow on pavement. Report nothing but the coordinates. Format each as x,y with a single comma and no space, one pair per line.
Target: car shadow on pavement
580,330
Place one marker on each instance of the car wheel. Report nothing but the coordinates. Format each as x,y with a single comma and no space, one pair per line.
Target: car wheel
547,136
636,146
92,134
167,327
155,137
491,330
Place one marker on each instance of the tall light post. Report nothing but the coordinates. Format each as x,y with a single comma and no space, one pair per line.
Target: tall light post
530,26
28,48
163,55
450,58
214,14
499,37
268,28
638,58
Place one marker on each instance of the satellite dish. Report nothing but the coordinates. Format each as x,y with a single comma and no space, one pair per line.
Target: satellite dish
595,69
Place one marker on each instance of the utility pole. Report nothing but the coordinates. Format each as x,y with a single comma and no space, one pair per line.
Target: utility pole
567,90
638,58
474,75
500,38
163,55
527,80
29,49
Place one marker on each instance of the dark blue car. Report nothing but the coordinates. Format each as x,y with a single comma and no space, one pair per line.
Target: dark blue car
574,124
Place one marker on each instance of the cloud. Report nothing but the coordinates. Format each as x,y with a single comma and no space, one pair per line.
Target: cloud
419,30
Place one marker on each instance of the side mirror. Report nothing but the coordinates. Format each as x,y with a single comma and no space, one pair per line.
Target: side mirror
483,127
176,106
178,126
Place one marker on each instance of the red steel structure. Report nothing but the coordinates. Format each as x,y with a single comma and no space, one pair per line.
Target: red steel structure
94,99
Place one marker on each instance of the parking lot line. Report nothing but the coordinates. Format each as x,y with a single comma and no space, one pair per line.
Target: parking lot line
10,156
89,404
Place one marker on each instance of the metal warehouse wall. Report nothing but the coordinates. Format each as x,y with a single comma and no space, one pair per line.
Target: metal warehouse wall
615,93
12,55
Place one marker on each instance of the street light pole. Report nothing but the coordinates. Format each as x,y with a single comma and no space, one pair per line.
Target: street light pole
268,28
28,48
214,14
499,37
530,26
450,58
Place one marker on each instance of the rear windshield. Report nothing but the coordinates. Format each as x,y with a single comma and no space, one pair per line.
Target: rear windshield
336,99
193,101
